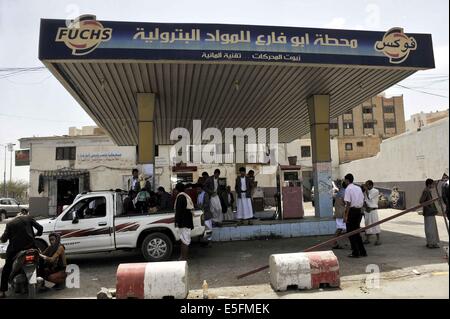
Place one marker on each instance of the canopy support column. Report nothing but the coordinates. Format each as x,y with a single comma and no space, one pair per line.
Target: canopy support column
319,118
146,129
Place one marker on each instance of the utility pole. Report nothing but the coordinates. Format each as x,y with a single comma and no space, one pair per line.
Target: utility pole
4,176
11,150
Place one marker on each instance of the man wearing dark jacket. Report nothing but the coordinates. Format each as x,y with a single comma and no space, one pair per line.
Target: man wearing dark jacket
165,199
211,187
20,233
183,218
243,188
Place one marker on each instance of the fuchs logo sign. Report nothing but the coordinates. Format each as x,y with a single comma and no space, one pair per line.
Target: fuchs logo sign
396,45
83,35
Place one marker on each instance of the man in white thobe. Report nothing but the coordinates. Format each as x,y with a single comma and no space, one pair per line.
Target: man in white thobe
244,210
371,196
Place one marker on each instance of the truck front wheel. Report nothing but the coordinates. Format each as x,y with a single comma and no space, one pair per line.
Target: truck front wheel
157,247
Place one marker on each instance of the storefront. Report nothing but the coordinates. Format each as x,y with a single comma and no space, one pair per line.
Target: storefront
63,166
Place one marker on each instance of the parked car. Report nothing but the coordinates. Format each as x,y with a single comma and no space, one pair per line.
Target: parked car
9,207
335,191
99,222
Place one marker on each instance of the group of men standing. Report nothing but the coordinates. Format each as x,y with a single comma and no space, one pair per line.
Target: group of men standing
217,201
351,204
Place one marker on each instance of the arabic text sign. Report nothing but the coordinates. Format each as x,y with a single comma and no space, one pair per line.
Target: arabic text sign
156,41
22,158
100,156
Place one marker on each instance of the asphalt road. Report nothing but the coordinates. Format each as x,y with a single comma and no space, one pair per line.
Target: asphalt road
408,268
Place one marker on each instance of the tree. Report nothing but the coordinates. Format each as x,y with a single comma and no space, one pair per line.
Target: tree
15,189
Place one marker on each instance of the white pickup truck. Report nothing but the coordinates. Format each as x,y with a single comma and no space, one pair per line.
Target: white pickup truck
99,222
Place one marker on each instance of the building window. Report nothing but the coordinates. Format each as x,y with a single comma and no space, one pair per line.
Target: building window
388,109
367,110
91,207
65,153
349,112
334,126
360,144
348,146
369,125
185,154
348,125
389,124
306,151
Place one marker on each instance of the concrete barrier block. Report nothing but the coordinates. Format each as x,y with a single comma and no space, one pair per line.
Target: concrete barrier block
152,280
304,270
324,269
289,270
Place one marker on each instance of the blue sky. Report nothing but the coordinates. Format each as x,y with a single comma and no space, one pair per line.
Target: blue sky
35,104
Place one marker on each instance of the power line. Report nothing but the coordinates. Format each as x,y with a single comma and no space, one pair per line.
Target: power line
9,72
32,68
420,91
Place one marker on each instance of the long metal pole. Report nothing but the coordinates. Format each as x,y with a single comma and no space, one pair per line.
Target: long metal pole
10,164
356,231
4,177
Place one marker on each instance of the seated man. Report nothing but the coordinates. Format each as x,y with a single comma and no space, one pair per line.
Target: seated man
20,234
53,266
142,200
165,199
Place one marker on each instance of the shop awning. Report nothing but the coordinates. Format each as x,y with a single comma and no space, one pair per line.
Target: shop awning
65,172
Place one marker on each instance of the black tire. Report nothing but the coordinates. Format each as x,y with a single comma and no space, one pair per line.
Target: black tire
3,216
156,247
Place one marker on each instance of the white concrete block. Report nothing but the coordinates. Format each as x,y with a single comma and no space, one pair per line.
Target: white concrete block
288,270
166,279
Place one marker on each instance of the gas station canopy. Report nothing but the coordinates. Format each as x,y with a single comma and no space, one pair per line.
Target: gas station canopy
225,75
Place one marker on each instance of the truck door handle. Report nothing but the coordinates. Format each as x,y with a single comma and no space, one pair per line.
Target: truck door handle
102,224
